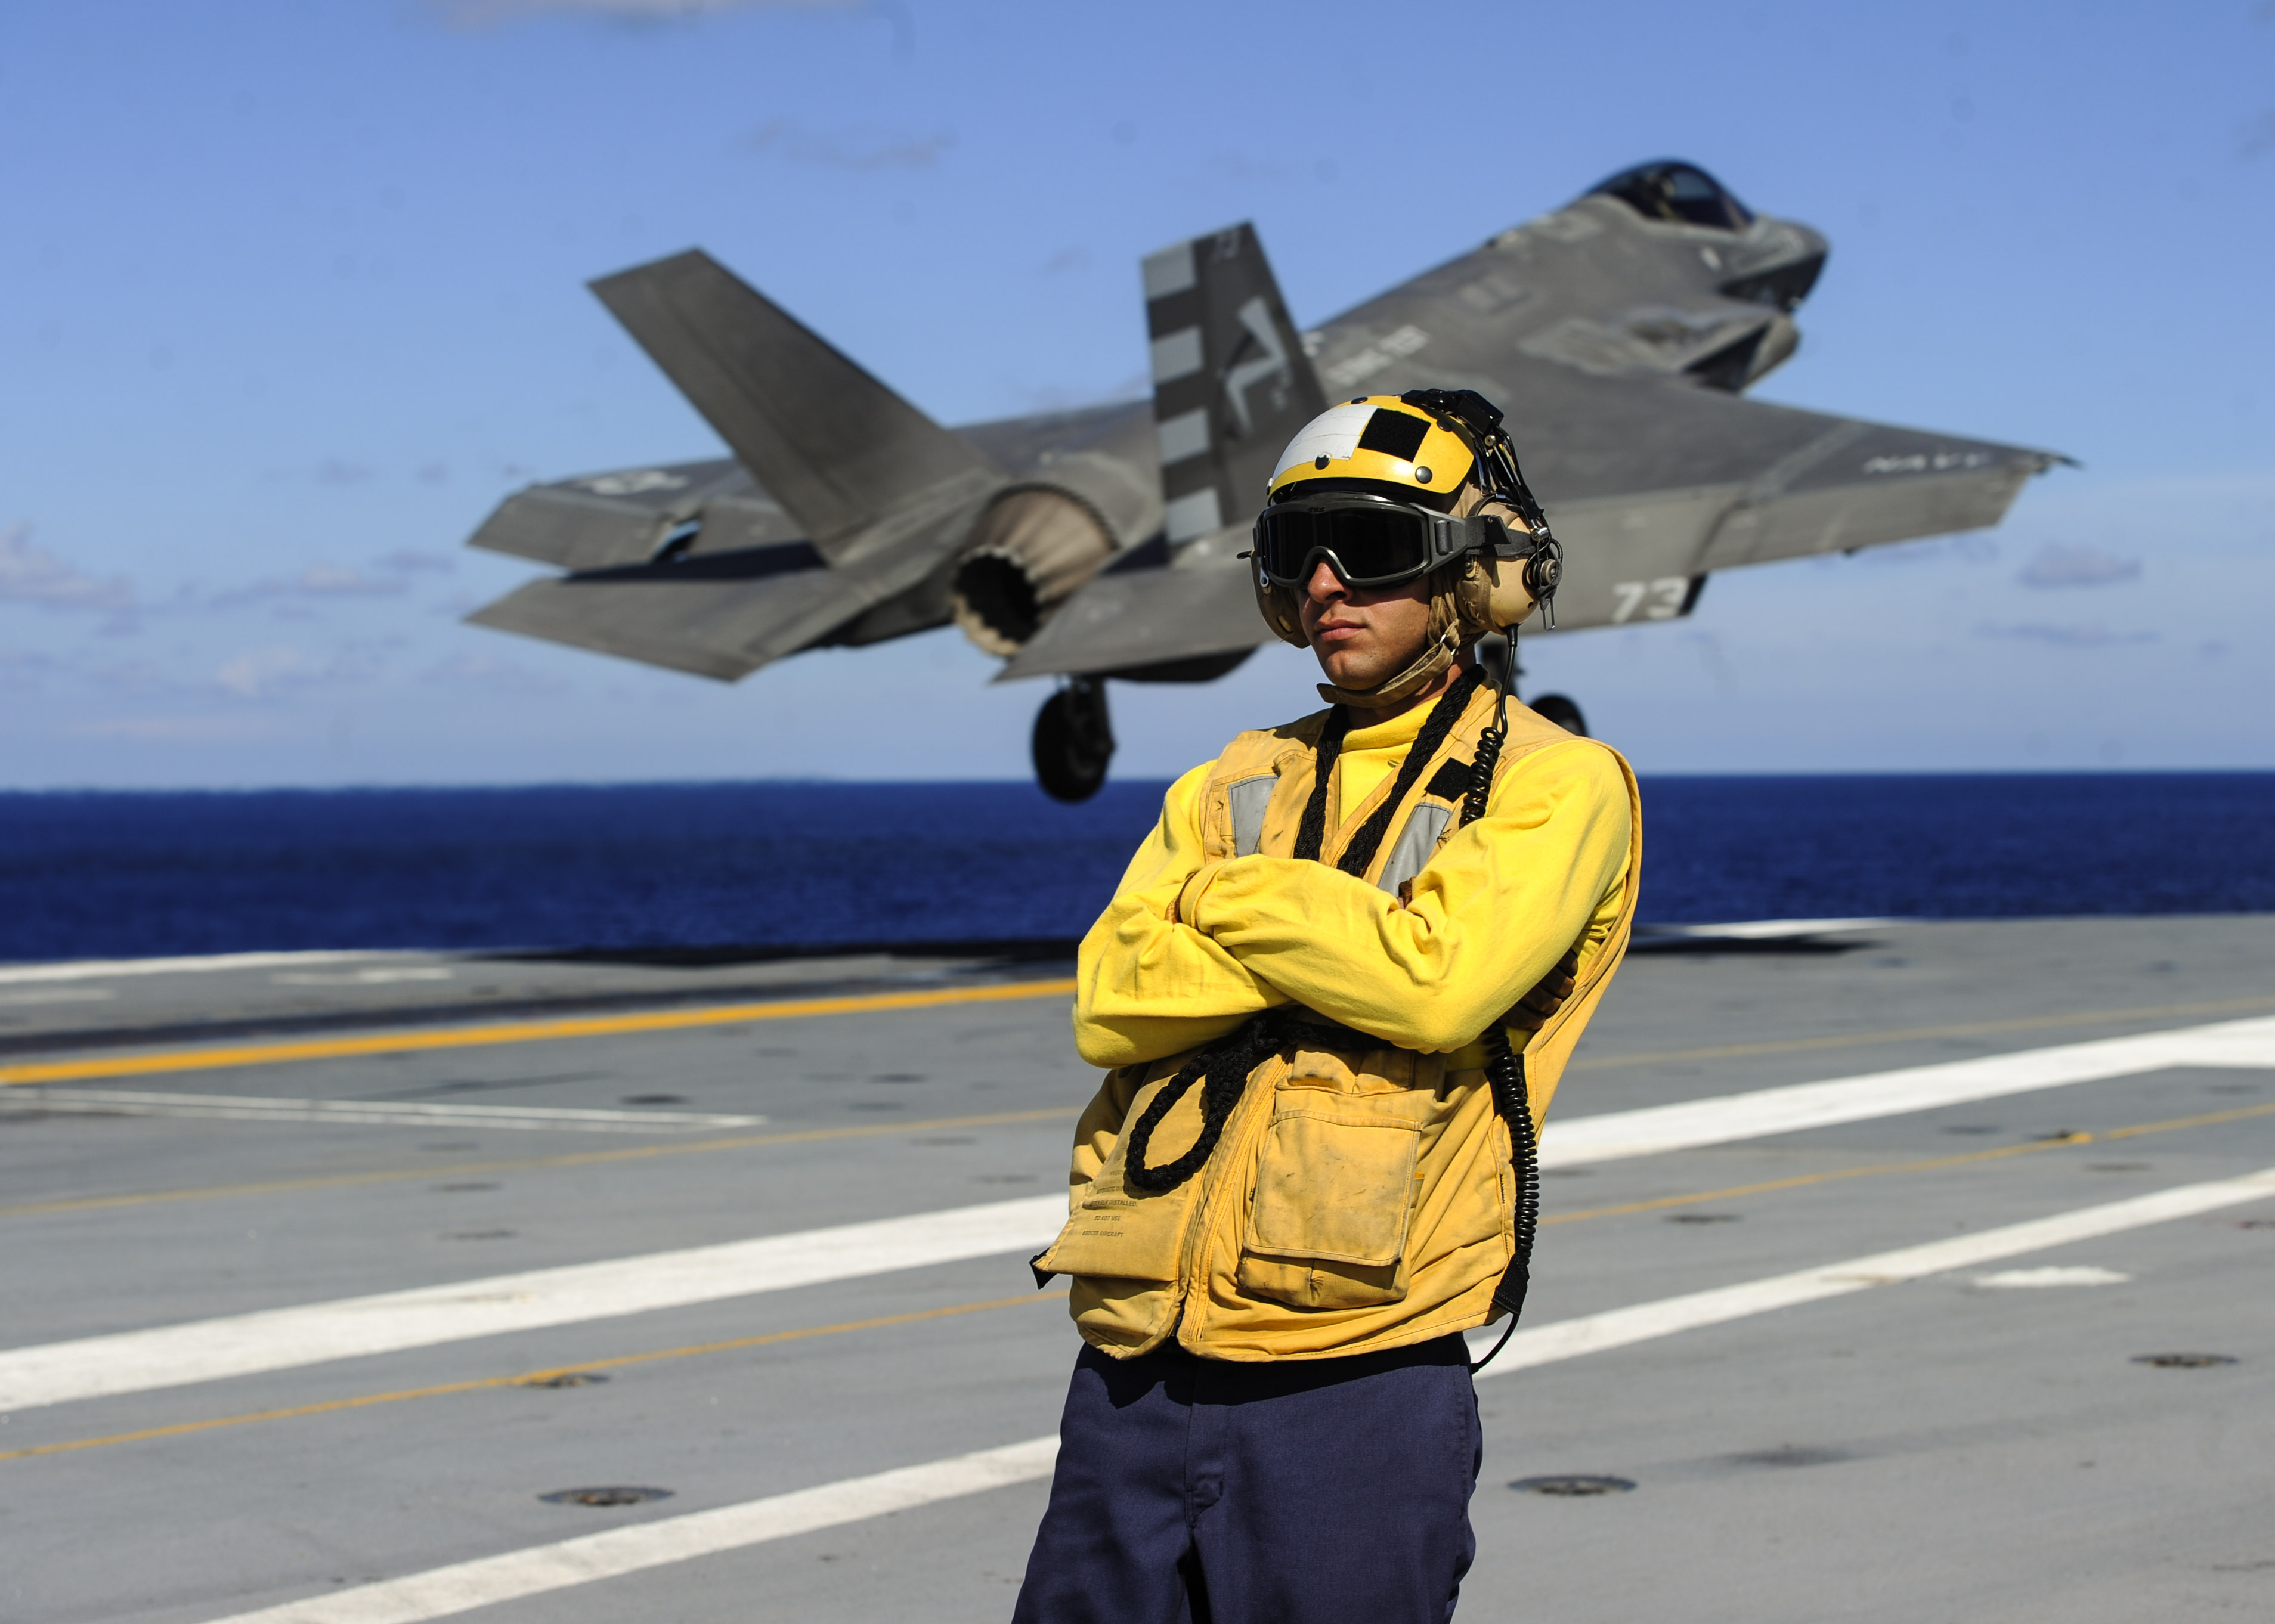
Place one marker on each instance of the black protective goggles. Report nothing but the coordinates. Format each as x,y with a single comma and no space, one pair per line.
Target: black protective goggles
1367,541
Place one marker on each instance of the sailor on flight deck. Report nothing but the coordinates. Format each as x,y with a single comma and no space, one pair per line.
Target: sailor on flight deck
1335,990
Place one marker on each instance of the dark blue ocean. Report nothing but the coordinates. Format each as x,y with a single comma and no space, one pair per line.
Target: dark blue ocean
779,866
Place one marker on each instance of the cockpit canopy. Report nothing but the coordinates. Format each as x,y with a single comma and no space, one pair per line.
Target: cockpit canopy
1679,193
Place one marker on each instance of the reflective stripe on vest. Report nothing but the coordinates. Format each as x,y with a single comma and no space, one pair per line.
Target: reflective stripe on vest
1247,800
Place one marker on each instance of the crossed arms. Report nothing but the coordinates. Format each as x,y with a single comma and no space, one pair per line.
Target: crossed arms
1188,949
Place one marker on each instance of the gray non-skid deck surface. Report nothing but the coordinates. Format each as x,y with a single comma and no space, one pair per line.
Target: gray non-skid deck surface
1935,1450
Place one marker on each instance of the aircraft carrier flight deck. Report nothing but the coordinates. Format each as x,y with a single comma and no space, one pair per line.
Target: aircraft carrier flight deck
1889,1271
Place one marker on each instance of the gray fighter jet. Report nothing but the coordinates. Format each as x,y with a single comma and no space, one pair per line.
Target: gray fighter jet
1618,333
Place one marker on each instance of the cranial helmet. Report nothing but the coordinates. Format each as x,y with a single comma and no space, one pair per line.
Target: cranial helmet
1386,487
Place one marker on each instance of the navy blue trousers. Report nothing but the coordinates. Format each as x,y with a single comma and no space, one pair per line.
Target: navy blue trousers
1305,1492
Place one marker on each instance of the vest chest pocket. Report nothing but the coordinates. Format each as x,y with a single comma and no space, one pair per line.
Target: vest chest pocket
1335,1190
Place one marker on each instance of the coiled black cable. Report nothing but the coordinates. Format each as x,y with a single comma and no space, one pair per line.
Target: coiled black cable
1505,1075
1224,1065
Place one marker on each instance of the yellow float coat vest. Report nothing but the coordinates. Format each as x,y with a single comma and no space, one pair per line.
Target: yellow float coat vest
1359,1199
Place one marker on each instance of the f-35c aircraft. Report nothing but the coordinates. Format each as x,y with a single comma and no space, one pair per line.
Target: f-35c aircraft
1618,333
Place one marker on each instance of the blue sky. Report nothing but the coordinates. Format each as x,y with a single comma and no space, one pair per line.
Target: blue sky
292,294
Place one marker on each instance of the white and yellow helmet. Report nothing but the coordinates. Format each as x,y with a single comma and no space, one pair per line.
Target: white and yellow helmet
1377,445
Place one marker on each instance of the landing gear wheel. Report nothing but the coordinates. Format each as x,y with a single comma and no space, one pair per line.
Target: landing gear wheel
1073,741
1556,708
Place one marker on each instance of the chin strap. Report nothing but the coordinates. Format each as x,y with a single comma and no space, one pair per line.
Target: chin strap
1441,652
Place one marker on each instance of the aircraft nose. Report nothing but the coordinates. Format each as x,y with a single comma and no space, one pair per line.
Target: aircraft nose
1782,278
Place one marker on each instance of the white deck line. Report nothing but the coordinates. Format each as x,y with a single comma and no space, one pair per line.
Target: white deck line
1694,1123
384,1112
1594,1333
313,1334
442,1592
89,969
1762,930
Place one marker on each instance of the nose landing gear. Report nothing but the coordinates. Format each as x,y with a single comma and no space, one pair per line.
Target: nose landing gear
1073,741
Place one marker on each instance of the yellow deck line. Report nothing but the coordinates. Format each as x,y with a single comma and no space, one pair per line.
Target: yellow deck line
527,1379
520,1031
574,1158
407,1041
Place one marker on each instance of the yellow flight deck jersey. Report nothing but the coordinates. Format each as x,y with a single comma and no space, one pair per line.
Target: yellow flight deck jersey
1357,1199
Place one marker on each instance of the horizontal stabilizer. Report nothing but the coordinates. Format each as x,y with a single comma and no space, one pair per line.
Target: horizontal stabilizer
719,612
1231,382
686,621
605,519
834,447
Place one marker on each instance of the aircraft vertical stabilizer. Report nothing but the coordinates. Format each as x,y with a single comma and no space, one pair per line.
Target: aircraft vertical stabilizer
1231,382
836,448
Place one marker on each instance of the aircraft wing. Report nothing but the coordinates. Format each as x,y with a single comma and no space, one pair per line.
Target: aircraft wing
721,615
1652,485
602,520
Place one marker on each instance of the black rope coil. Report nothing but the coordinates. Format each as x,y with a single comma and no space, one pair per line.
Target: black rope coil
1311,834
1222,1070
1360,853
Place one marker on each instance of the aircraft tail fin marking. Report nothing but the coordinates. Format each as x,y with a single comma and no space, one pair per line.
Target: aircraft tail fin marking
1231,381
834,447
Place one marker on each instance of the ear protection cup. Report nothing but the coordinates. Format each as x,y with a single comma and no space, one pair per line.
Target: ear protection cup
1512,590
1277,605
1512,587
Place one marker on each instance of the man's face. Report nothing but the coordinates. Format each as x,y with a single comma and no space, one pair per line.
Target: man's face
1363,635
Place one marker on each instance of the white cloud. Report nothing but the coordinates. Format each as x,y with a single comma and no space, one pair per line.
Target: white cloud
485,13
174,729
130,677
325,581
406,561
261,672
329,581
2259,135
26,670
280,668
2077,566
488,672
851,150
1972,546
31,575
2095,635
